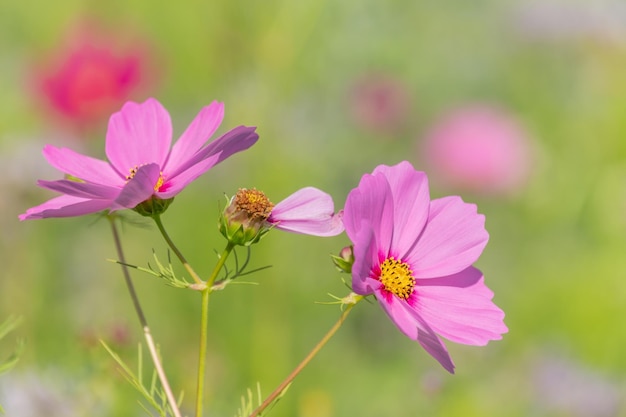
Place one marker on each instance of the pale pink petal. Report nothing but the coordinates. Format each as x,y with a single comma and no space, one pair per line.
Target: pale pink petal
65,206
453,239
410,192
236,140
371,205
81,189
233,141
459,308
81,166
195,136
139,188
138,134
309,211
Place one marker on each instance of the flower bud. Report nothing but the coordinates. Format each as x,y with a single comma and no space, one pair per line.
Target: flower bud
153,206
244,221
344,261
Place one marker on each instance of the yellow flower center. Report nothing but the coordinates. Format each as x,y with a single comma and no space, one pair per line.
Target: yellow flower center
397,277
133,172
254,203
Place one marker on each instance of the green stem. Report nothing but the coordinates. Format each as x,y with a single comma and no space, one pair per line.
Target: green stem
204,321
157,220
144,323
350,301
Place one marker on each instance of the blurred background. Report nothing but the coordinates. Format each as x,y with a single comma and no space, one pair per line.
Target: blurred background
517,106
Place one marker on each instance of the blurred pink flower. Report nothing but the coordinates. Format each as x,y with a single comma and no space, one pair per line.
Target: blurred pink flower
141,164
478,149
379,103
415,256
90,76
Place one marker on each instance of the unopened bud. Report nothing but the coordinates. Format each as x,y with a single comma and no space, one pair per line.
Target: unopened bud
344,261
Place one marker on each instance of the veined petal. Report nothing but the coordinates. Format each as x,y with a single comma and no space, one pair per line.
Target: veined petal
411,203
65,206
138,134
459,308
371,204
196,135
81,189
415,327
398,313
233,141
365,254
309,211
427,338
139,188
81,166
453,239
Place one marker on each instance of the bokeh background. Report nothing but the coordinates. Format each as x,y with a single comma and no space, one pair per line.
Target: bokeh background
518,106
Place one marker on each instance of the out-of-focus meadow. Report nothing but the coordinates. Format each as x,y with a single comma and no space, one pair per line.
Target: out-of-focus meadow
519,107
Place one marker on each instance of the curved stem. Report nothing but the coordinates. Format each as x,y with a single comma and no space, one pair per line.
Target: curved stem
204,321
157,220
350,301
144,323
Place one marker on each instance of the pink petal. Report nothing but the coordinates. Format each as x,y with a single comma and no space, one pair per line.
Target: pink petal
452,240
138,134
233,141
411,203
433,345
139,188
196,135
80,166
415,327
365,255
236,140
308,211
398,313
65,206
459,308
371,205
81,189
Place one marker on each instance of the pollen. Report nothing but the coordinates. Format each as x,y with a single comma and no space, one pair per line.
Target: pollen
133,172
397,277
254,202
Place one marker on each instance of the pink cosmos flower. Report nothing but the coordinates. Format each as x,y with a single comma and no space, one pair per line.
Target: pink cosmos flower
250,215
141,163
415,256
479,148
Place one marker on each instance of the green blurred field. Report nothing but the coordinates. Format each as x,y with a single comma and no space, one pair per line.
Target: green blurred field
555,259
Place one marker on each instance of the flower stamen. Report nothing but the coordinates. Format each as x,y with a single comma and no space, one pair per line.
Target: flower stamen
254,203
397,277
133,172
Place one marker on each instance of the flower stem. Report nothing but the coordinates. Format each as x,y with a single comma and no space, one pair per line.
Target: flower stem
350,301
204,321
157,220
144,323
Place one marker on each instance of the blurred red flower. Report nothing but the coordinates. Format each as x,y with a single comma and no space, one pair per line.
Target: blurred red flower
90,75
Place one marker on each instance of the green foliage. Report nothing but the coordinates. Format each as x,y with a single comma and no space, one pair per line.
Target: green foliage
7,327
153,394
